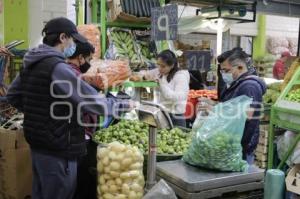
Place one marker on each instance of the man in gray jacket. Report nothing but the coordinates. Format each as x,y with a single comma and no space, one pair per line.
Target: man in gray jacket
53,99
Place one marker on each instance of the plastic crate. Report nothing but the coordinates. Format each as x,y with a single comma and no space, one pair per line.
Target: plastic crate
286,114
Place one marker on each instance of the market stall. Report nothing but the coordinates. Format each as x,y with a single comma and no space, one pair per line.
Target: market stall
142,149
135,47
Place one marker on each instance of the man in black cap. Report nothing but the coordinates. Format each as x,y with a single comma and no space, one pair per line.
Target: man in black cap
53,98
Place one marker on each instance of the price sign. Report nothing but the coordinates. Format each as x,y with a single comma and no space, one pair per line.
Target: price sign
198,60
164,23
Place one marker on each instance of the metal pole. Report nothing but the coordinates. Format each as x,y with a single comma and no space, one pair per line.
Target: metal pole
298,50
289,152
103,27
94,11
271,142
151,168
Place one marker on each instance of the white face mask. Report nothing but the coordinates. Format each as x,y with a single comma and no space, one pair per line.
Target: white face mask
228,78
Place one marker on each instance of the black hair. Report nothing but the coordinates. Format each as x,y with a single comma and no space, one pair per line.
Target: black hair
85,49
221,58
238,58
52,39
170,59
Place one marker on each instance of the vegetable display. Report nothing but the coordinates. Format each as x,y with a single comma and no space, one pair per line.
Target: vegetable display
212,94
145,50
272,93
294,95
120,172
173,141
107,74
125,45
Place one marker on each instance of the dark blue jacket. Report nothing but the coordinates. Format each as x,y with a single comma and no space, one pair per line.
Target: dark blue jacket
254,87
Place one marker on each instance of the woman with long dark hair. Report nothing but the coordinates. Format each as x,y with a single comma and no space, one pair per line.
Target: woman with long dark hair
173,85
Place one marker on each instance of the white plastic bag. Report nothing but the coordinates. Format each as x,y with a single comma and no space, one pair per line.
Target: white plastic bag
283,144
161,191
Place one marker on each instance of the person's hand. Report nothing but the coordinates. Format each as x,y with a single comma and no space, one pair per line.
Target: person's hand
135,78
133,104
205,104
5,52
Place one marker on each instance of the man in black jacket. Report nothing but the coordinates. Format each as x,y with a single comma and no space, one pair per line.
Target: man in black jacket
53,98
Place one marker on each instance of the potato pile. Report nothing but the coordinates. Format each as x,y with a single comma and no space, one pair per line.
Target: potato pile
120,172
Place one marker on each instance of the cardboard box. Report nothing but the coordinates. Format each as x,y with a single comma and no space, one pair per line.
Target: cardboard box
293,180
15,165
116,13
262,149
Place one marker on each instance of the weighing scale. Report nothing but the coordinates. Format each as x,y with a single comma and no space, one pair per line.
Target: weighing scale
142,91
191,182
157,118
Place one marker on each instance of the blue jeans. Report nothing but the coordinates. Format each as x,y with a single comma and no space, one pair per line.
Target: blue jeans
53,177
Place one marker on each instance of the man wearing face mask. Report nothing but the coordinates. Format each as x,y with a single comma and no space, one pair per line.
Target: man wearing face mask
240,79
53,99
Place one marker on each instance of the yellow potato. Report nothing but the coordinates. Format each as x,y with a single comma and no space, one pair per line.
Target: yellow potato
136,187
118,181
115,166
132,195
112,155
126,162
136,166
125,189
113,189
107,169
114,174
108,196
102,180
100,167
103,188
105,161
110,182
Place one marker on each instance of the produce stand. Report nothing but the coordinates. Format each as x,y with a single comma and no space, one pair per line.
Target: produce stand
104,23
191,182
286,115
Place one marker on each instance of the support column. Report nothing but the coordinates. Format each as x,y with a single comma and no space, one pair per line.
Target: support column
259,42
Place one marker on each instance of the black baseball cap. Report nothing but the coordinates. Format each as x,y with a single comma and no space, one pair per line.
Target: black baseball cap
63,25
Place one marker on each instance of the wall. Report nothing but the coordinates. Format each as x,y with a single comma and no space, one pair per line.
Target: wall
42,11
282,26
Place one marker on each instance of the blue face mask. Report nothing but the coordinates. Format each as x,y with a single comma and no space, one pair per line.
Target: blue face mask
68,52
228,78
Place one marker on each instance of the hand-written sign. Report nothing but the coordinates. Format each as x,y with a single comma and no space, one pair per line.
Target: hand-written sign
164,23
198,60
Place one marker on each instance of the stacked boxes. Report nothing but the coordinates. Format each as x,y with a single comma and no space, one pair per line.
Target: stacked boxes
261,154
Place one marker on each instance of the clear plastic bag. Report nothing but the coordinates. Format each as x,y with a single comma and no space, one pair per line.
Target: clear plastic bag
217,143
283,144
162,191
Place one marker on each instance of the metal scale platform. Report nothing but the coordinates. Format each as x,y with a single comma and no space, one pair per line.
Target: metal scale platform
190,182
